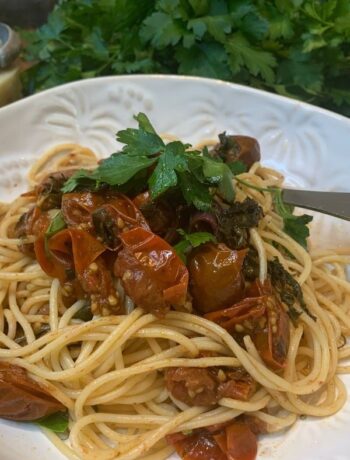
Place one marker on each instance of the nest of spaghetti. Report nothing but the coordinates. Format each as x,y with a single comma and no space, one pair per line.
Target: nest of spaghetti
166,299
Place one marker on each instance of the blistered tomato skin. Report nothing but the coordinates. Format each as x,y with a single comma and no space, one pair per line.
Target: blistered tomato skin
216,280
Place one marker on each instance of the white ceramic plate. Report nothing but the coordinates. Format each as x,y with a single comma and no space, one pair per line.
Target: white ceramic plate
310,145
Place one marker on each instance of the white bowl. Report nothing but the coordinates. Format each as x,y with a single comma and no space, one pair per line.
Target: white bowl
311,146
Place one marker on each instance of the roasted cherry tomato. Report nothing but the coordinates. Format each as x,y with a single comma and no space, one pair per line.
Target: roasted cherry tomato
206,386
23,399
241,442
199,446
78,207
242,148
216,280
232,441
263,318
152,273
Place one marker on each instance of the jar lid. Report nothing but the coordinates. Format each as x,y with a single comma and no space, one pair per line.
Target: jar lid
10,45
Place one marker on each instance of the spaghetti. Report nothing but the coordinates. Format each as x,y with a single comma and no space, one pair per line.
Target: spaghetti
110,372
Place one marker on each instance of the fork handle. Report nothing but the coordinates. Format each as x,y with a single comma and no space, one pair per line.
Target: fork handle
333,203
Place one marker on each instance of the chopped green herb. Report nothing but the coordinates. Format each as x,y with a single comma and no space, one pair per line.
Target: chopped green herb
171,161
141,141
82,178
58,423
119,168
297,48
195,192
84,313
57,224
295,226
196,175
237,167
235,221
191,240
288,289
218,172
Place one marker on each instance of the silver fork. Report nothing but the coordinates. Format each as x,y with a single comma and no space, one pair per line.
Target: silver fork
333,203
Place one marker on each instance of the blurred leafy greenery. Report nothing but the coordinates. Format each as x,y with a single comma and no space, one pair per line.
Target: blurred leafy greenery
297,48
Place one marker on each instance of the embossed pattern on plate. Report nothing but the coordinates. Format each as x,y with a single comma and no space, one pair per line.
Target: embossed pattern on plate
309,145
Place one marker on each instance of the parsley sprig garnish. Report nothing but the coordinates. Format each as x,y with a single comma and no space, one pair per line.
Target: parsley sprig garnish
295,226
190,241
174,165
56,225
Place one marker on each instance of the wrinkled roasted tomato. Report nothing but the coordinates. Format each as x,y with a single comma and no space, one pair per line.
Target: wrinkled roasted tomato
74,253
206,386
48,192
234,441
215,276
107,214
23,399
234,147
152,274
263,318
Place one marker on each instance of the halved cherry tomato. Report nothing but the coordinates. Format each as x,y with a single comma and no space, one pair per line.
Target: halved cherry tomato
233,441
76,253
23,399
241,442
199,446
78,208
264,319
69,249
152,273
250,310
206,386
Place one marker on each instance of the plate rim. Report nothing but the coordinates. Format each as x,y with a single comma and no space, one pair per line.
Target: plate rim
174,77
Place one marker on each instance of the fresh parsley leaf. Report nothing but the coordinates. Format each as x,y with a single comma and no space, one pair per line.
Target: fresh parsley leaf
161,30
139,141
294,226
195,192
56,225
237,167
197,238
79,179
242,53
164,176
120,168
218,172
144,123
181,249
58,423
191,240
254,25
298,48
205,60
197,175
